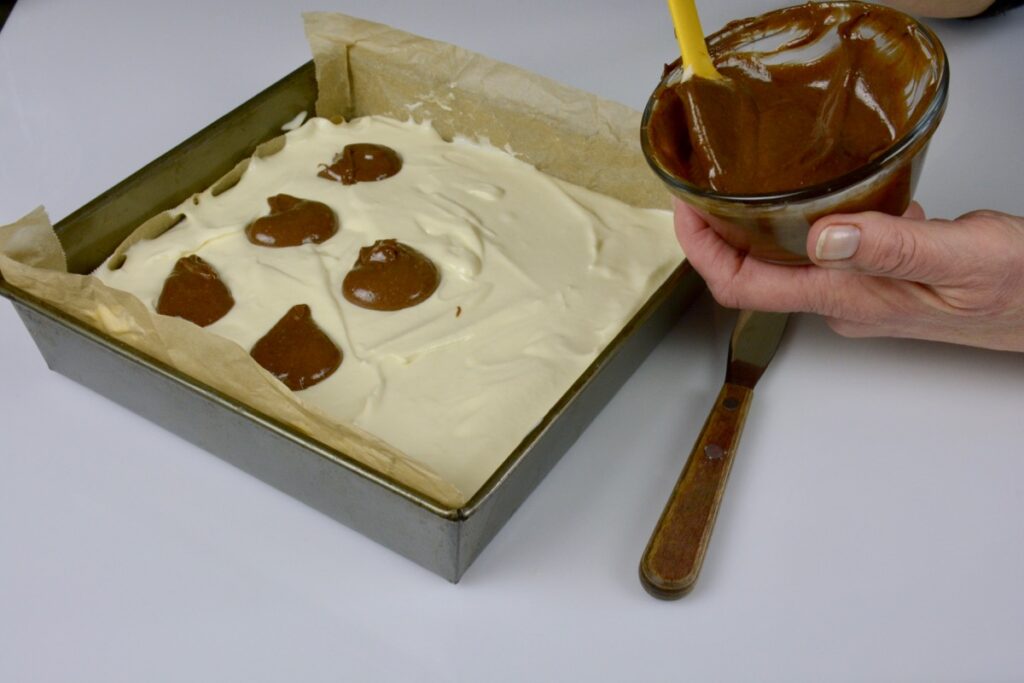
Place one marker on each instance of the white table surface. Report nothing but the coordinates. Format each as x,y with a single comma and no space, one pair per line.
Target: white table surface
874,524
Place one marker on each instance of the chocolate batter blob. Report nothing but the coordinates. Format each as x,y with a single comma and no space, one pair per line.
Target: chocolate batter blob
363,162
845,83
297,351
293,221
389,276
195,292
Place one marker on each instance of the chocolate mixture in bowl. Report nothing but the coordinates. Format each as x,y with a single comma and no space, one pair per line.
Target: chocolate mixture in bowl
810,94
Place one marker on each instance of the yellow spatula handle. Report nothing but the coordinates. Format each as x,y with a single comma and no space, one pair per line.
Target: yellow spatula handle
691,39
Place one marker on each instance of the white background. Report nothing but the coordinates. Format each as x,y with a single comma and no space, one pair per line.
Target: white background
873,528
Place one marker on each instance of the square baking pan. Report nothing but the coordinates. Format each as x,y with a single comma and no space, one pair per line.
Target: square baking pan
442,538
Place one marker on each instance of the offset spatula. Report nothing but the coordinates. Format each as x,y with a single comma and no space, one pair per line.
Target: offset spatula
675,553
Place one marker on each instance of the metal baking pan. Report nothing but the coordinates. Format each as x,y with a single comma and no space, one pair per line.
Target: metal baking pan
443,539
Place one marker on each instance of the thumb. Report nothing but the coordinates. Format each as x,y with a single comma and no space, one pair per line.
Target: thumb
905,248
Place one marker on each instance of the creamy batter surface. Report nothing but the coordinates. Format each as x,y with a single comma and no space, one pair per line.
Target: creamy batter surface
536,276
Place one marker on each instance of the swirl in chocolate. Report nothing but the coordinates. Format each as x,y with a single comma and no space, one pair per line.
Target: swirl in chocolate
297,351
195,292
293,221
810,93
363,162
389,276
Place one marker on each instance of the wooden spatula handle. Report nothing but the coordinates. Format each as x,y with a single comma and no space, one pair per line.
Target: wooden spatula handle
675,553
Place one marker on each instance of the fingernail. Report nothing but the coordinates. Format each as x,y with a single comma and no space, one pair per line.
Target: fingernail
837,242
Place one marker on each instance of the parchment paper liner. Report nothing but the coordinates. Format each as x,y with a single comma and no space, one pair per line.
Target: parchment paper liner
362,68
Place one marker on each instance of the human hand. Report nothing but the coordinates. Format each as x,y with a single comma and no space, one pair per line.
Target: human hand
959,281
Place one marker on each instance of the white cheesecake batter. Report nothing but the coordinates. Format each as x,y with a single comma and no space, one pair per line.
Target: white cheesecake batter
537,276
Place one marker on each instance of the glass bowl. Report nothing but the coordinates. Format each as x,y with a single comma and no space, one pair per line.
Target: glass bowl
773,226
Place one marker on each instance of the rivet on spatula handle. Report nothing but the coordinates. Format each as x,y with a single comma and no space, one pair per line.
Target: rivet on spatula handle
675,553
